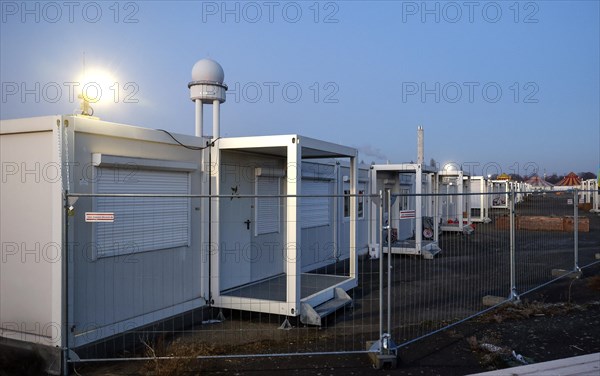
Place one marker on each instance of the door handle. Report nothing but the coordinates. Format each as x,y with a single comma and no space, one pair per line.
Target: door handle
247,224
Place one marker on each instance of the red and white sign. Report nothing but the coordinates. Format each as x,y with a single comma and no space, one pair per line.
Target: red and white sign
407,214
99,217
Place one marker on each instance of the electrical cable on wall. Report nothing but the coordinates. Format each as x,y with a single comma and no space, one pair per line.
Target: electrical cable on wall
212,143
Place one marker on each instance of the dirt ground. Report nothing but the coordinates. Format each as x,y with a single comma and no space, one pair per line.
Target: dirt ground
560,320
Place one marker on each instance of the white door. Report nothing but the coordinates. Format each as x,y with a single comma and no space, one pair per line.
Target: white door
236,228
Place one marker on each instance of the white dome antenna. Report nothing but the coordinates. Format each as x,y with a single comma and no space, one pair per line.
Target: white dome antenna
207,86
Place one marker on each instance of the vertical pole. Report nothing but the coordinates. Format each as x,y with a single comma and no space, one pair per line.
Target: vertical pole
62,305
467,198
205,226
596,196
513,283
339,187
65,260
293,230
388,193
199,119
418,209
436,207
484,199
216,119
576,229
420,152
381,228
375,205
214,229
460,203
353,215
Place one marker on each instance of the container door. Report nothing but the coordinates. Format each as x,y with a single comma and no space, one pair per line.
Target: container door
236,228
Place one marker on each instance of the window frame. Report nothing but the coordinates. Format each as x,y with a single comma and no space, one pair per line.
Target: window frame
360,205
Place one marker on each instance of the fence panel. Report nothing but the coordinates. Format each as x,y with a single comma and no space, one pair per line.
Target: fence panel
589,226
151,277
544,238
136,272
431,294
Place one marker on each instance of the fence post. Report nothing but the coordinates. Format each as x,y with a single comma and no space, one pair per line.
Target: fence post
388,193
513,278
576,230
64,366
381,233
384,351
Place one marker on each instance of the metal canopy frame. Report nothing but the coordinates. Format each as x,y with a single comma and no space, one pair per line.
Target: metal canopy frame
462,201
294,148
483,198
500,183
419,170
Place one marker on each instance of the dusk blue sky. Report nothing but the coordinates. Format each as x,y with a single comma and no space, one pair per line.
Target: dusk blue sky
369,60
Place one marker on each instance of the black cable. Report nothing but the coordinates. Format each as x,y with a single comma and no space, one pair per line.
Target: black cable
212,143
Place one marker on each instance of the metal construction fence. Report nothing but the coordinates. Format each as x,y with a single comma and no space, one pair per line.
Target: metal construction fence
153,277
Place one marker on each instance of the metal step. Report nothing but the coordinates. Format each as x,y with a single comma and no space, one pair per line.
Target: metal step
310,315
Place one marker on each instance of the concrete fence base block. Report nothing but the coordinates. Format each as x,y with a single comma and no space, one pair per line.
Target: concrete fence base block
491,300
597,256
382,358
562,272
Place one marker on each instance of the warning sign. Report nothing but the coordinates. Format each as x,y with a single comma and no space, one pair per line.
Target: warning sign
99,217
407,214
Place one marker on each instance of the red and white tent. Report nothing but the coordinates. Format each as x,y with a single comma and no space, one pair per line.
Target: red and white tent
570,180
539,183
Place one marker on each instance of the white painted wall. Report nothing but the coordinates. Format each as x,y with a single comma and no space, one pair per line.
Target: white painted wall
30,201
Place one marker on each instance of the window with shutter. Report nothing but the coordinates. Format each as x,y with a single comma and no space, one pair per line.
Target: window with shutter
267,209
141,224
314,211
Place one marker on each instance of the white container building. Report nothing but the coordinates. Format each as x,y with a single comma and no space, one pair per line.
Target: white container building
285,236
412,220
414,230
68,281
